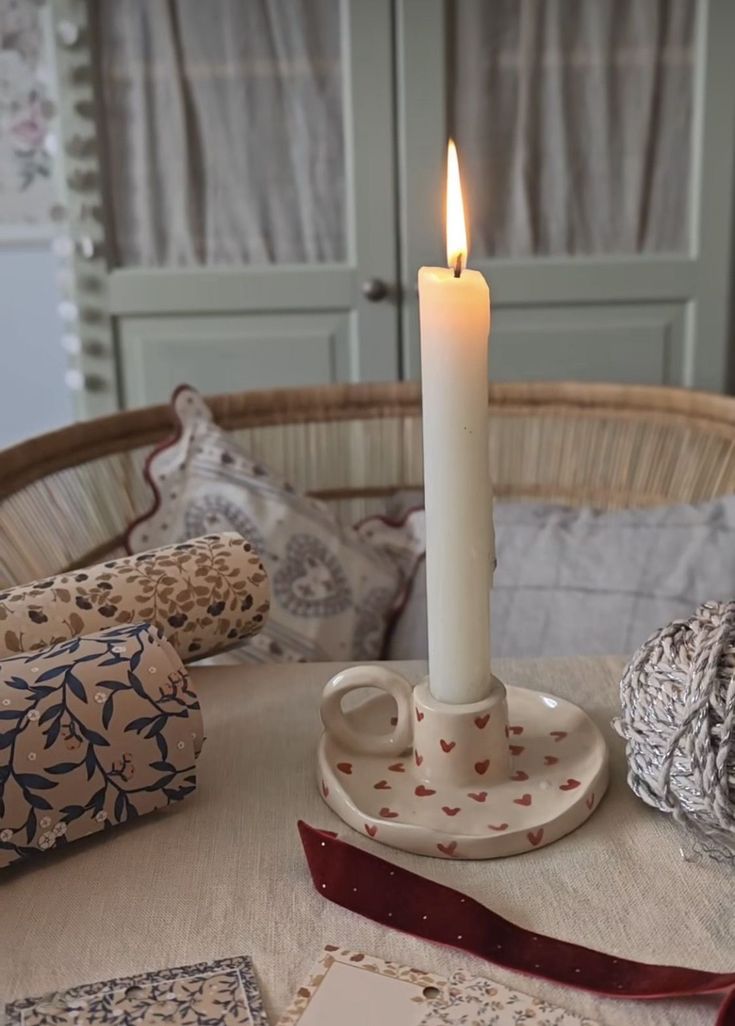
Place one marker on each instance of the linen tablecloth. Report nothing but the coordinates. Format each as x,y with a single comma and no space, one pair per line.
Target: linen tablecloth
223,873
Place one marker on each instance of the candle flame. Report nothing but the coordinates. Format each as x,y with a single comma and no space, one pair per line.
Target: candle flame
456,229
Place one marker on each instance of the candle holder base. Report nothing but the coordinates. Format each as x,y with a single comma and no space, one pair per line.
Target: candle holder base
458,781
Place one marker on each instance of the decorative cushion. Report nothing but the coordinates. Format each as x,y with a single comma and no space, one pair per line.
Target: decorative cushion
333,592
579,582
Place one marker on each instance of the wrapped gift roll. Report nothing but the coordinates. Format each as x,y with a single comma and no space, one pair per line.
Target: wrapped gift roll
206,595
93,732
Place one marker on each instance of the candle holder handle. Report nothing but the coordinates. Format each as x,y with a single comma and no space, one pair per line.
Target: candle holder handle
366,743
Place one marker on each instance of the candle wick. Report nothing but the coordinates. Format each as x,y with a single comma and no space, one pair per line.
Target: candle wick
458,266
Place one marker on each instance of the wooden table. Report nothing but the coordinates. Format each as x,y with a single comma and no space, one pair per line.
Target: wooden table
223,873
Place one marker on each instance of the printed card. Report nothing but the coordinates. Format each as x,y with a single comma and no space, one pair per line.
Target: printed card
347,987
223,992
475,999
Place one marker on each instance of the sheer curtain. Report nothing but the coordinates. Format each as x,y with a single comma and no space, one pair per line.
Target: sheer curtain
223,130
573,118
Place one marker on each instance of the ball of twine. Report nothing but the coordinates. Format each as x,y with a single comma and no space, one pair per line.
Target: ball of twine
678,719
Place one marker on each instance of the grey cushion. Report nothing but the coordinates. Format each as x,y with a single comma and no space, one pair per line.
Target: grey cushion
579,582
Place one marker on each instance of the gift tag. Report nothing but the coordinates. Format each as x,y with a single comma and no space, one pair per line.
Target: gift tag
475,999
349,987
224,992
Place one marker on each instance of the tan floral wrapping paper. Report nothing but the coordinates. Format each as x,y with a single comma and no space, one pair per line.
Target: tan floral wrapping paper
206,595
93,732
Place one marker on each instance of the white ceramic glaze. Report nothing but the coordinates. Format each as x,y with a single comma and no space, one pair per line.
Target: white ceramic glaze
549,771
461,745
385,743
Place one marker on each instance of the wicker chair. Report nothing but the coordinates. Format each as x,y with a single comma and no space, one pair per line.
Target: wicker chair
67,497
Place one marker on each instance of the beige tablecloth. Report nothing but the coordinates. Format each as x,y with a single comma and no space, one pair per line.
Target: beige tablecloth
223,873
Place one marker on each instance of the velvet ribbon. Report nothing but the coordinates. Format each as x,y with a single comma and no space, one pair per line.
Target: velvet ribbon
397,898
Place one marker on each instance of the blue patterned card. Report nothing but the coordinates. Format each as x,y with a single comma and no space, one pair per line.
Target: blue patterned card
223,992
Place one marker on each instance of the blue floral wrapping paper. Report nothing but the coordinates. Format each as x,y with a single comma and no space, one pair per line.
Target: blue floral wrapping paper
94,731
220,993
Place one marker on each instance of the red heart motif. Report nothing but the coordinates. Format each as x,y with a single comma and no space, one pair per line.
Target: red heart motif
558,735
498,826
447,746
519,775
345,767
448,849
482,721
397,767
589,802
550,760
423,792
569,785
516,749
515,730
357,958
419,758
448,811
419,715
477,796
524,800
535,836
394,721
388,813
371,830
325,790
482,767
382,785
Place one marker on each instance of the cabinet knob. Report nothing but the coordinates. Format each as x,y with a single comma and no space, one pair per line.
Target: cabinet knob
374,289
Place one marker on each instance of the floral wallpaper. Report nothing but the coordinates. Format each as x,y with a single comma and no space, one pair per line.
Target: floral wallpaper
27,191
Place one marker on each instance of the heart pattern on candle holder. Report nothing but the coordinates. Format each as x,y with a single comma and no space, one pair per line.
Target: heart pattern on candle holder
435,783
423,792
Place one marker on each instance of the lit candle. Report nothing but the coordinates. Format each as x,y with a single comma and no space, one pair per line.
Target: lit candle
454,308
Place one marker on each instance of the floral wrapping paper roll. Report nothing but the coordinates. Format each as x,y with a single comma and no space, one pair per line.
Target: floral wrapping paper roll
206,595
93,732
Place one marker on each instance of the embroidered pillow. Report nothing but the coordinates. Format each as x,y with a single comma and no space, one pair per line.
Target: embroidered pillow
333,592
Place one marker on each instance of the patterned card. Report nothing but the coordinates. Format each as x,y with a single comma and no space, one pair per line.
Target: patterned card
347,987
223,992
474,999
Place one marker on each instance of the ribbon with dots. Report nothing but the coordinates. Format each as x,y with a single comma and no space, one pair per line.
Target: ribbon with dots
394,897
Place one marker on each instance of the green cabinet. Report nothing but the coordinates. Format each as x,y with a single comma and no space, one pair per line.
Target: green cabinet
253,186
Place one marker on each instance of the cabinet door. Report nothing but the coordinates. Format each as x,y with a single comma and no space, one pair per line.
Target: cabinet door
246,150
596,143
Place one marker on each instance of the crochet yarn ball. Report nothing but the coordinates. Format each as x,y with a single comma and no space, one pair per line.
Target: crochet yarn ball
678,719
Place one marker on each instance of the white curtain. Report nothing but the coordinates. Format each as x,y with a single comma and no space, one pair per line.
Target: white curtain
223,124
573,119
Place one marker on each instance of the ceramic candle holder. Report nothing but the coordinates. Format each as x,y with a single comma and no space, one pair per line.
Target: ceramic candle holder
508,774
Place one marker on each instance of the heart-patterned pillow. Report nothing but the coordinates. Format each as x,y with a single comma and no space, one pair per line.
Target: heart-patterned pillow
311,581
335,587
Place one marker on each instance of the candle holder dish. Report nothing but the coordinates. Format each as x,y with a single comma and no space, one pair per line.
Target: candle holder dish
511,773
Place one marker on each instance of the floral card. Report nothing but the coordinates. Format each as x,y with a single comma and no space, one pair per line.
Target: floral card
475,999
223,992
347,987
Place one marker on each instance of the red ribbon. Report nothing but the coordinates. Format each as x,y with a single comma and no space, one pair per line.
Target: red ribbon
397,898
